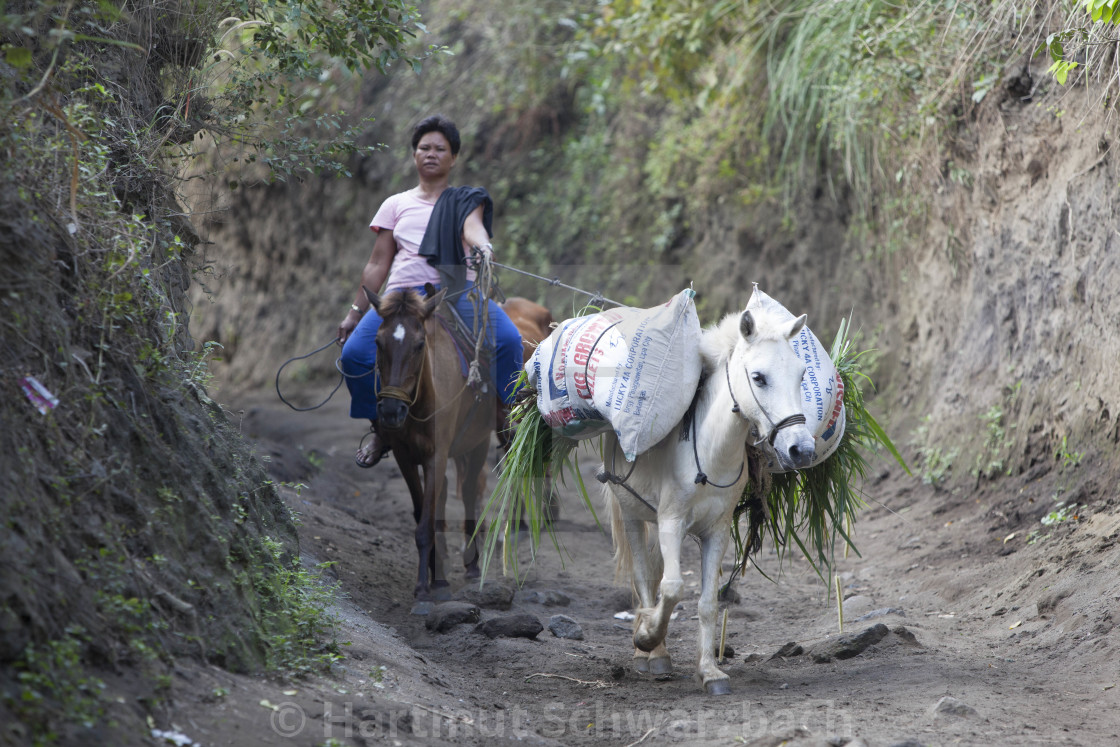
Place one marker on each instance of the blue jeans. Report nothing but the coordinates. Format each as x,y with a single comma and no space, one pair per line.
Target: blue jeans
359,355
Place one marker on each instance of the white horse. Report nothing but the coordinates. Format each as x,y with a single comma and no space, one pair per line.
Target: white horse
690,482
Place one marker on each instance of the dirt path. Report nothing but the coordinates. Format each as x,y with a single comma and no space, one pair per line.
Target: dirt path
986,641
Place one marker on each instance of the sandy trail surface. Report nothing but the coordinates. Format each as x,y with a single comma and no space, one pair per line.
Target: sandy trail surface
959,630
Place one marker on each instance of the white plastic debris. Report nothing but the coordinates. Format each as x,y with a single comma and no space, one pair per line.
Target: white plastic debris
175,738
38,394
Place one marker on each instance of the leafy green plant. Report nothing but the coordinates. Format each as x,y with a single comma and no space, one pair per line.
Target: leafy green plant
54,687
296,618
1061,514
935,462
1068,459
990,458
536,460
1093,38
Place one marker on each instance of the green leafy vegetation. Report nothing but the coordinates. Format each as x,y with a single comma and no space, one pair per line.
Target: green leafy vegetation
53,673
536,462
1091,41
1067,459
1061,514
138,526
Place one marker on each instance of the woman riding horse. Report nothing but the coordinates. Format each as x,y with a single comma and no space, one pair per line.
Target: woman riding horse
425,235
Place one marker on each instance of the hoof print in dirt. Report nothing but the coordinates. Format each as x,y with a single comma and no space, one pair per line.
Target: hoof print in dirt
949,707
545,597
847,646
728,651
563,626
791,649
446,616
521,625
492,595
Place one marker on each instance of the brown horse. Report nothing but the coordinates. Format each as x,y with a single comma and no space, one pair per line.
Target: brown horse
429,416
532,320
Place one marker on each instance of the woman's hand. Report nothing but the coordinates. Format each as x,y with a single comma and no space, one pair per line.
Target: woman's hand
347,326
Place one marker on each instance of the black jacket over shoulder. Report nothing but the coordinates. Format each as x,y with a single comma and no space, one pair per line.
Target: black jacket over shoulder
442,244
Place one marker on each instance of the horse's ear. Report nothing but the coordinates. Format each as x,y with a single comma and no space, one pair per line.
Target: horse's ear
432,303
798,323
373,299
746,325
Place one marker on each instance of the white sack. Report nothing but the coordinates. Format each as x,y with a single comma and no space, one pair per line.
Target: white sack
633,371
822,390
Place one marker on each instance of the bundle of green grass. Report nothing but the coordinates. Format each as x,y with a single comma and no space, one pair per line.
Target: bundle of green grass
810,510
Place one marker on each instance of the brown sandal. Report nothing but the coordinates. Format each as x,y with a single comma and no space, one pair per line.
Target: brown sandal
369,456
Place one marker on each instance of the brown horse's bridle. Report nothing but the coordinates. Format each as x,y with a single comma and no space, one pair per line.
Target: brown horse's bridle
401,394
398,393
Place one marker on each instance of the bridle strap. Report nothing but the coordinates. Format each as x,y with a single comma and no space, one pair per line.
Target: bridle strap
798,419
399,393
701,476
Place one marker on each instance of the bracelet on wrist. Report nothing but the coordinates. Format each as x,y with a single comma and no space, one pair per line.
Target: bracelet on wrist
354,306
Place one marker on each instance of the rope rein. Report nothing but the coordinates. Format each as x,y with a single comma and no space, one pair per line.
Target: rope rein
555,283
302,357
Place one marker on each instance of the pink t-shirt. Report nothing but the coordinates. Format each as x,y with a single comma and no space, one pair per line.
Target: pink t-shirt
406,215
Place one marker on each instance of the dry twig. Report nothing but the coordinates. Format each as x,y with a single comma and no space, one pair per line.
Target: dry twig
592,683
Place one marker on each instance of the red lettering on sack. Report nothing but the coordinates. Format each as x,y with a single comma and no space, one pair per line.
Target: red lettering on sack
582,352
582,389
558,418
839,402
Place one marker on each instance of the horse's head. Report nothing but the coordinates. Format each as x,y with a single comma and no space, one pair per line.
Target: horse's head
764,375
401,350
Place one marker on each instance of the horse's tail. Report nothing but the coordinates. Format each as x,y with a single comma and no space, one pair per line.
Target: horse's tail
623,552
623,555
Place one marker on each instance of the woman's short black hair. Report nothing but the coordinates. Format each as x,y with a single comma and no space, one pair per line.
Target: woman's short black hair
441,124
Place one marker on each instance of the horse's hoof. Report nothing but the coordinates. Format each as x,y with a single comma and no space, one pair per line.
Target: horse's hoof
718,687
422,607
641,664
660,666
473,572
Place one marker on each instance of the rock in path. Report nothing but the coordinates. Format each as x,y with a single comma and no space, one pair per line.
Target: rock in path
563,626
793,648
881,612
520,625
951,707
848,645
444,617
492,595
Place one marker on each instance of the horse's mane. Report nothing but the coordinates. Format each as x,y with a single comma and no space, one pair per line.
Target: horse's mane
404,301
718,341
